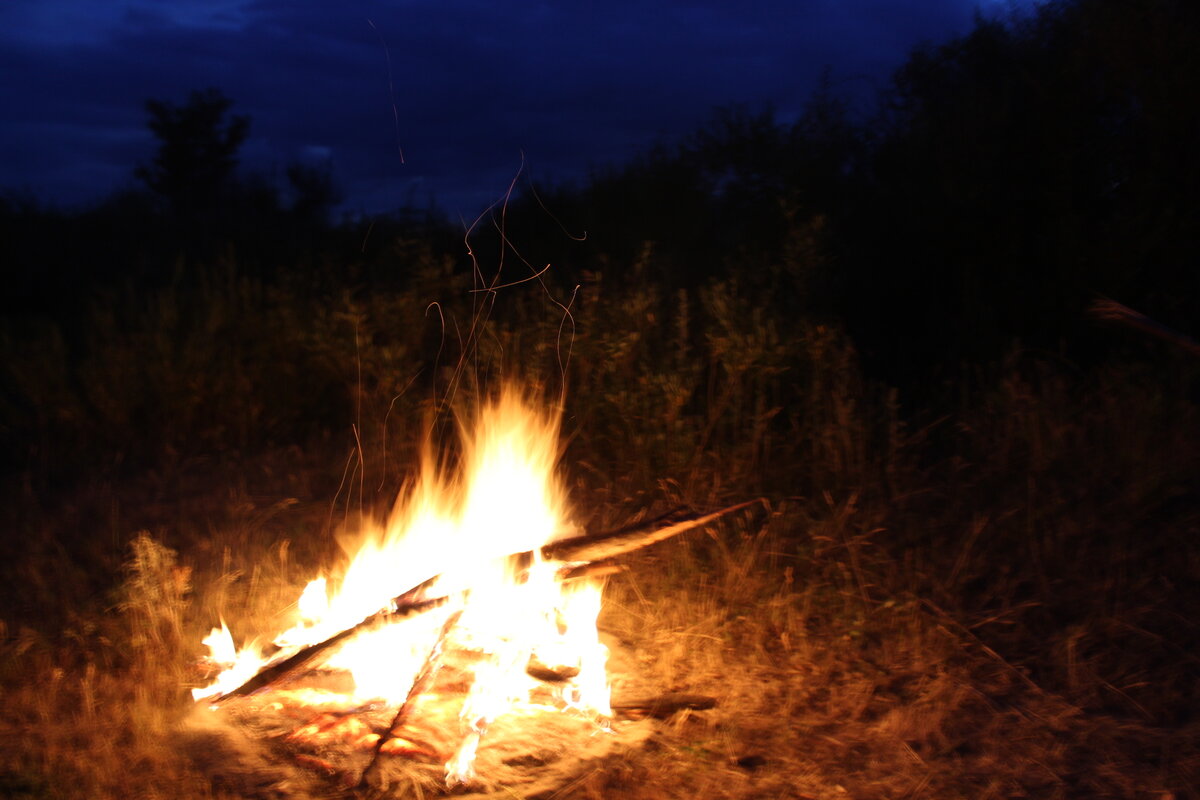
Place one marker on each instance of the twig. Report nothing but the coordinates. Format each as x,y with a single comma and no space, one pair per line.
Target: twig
935,608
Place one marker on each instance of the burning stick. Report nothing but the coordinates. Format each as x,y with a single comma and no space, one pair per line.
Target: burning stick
419,685
634,537
280,668
574,554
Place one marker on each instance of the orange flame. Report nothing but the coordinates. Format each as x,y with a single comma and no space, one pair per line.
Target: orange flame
504,499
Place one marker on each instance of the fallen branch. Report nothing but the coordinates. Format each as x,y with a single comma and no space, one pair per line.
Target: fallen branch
667,704
1112,311
576,556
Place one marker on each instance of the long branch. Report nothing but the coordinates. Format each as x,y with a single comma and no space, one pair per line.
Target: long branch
279,668
571,553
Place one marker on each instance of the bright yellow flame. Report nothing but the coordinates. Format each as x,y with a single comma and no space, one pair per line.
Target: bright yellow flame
239,665
505,499
589,691
313,604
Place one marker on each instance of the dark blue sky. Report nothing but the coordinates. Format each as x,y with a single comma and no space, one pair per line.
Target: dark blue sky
462,88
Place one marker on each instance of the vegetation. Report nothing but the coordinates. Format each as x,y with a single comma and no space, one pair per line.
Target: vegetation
974,572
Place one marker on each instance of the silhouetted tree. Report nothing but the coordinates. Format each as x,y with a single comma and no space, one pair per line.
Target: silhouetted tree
1021,169
197,151
314,191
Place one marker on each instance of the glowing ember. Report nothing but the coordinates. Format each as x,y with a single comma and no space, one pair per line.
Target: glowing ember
518,620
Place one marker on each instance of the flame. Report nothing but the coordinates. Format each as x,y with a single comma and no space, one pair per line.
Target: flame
458,526
238,666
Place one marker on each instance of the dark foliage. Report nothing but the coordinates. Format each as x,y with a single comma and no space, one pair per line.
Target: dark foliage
1009,176
1023,169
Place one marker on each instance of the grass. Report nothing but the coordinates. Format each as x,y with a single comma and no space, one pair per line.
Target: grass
987,603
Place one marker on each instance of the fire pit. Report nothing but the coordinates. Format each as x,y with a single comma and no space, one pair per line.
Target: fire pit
314,734
458,646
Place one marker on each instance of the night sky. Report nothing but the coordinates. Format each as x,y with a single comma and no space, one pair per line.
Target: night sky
413,102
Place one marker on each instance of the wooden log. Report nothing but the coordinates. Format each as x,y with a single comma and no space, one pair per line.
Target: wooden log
636,536
597,569
667,704
574,554
592,554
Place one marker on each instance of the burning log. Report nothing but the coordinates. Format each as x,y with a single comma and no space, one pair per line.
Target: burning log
579,556
420,684
288,665
634,537
597,569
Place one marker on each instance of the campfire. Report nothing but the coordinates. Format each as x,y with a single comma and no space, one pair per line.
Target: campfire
469,618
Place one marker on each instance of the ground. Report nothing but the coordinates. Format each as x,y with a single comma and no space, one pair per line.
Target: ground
829,683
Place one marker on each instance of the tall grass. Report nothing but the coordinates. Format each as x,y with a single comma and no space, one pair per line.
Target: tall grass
985,601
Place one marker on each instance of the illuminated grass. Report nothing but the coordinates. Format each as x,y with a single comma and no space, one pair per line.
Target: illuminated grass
982,605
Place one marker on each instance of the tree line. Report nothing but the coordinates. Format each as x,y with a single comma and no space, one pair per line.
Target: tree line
1005,179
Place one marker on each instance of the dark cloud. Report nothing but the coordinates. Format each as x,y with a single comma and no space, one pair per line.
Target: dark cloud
462,88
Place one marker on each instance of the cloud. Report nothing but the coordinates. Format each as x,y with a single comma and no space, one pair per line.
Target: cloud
462,89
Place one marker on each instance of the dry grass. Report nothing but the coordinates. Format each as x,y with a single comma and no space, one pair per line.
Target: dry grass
828,684
994,604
